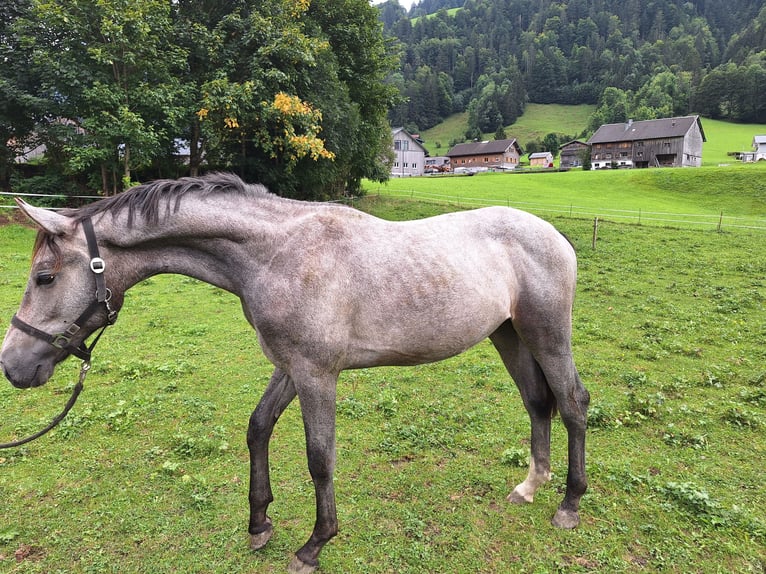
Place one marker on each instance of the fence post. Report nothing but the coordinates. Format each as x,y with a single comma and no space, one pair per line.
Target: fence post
720,222
595,232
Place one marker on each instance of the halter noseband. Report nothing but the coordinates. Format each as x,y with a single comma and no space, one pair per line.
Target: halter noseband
63,340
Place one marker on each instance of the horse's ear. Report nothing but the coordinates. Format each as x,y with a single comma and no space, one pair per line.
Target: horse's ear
50,221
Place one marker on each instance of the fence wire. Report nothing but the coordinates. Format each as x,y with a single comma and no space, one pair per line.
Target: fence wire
719,221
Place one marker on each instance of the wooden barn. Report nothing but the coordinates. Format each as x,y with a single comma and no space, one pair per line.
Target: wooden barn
497,154
572,154
671,142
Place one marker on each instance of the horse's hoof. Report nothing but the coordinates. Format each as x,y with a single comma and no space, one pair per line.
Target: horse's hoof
298,566
566,519
517,498
258,541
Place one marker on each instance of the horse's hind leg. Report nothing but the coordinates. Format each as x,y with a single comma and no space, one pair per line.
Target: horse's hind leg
539,402
547,335
277,396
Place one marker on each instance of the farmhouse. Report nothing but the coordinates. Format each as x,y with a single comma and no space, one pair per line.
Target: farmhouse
572,154
409,154
671,142
496,154
759,150
541,159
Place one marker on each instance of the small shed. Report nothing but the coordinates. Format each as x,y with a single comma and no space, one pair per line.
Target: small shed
541,159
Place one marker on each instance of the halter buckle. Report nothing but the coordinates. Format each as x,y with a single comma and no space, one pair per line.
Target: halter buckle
97,265
63,339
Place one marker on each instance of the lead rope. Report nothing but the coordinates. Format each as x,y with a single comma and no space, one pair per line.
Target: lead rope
84,368
60,417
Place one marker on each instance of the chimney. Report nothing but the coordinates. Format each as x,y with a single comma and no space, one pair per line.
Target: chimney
628,125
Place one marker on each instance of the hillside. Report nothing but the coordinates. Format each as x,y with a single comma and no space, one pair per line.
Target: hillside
488,58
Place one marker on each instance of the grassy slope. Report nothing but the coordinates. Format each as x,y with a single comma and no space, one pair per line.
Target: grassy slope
624,195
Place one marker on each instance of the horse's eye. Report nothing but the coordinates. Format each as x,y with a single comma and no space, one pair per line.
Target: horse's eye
45,278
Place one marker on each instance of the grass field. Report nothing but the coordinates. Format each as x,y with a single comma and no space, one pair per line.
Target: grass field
148,474
705,197
538,121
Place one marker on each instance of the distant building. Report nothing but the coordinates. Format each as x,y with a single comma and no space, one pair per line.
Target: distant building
671,142
409,154
496,154
571,154
541,159
438,164
759,150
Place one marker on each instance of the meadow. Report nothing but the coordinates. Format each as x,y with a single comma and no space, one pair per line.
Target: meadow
731,197
148,474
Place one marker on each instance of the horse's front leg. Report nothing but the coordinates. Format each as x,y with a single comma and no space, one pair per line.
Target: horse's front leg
278,395
317,398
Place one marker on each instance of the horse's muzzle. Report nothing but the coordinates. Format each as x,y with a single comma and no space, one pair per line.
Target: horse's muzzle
26,377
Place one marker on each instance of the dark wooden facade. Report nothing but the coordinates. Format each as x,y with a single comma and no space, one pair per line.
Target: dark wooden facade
572,154
671,142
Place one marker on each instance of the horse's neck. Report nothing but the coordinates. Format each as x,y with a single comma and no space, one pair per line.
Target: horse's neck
217,245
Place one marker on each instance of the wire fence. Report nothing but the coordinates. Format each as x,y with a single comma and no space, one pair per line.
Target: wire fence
719,221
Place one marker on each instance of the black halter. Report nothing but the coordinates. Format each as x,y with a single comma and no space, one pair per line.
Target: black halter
63,340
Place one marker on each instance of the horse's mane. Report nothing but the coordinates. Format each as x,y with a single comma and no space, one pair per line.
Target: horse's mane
149,199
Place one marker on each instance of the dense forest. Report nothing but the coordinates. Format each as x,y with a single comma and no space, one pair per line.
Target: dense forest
635,59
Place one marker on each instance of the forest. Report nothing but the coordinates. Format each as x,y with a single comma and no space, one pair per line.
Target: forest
634,59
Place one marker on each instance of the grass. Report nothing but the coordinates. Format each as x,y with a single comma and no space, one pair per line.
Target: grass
149,472
704,197
537,121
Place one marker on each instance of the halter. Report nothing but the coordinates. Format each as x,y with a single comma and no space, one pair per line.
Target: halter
63,340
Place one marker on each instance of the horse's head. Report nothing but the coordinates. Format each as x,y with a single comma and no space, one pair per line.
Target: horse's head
65,301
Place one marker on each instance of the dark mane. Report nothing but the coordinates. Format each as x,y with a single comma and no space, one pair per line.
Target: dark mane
148,200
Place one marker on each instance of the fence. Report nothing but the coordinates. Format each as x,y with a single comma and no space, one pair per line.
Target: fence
718,221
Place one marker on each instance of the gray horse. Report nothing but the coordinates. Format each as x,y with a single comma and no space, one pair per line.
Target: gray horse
326,288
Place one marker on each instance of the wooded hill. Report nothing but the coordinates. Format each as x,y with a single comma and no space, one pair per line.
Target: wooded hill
636,59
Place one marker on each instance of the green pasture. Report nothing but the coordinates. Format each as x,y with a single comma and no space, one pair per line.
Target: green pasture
706,198
149,473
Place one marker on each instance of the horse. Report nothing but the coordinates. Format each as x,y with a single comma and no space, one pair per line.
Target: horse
326,288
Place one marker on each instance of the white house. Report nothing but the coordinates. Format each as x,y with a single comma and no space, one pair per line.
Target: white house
759,150
409,154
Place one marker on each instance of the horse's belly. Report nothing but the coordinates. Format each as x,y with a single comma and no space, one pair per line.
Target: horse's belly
420,338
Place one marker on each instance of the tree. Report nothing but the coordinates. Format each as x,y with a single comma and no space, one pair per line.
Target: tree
107,69
20,108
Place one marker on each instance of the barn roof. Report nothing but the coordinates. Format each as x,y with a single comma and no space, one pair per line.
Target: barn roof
646,130
487,147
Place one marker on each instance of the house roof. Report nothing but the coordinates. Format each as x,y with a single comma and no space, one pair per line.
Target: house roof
759,140
487,147
409,136
646,130
540,154
573,143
